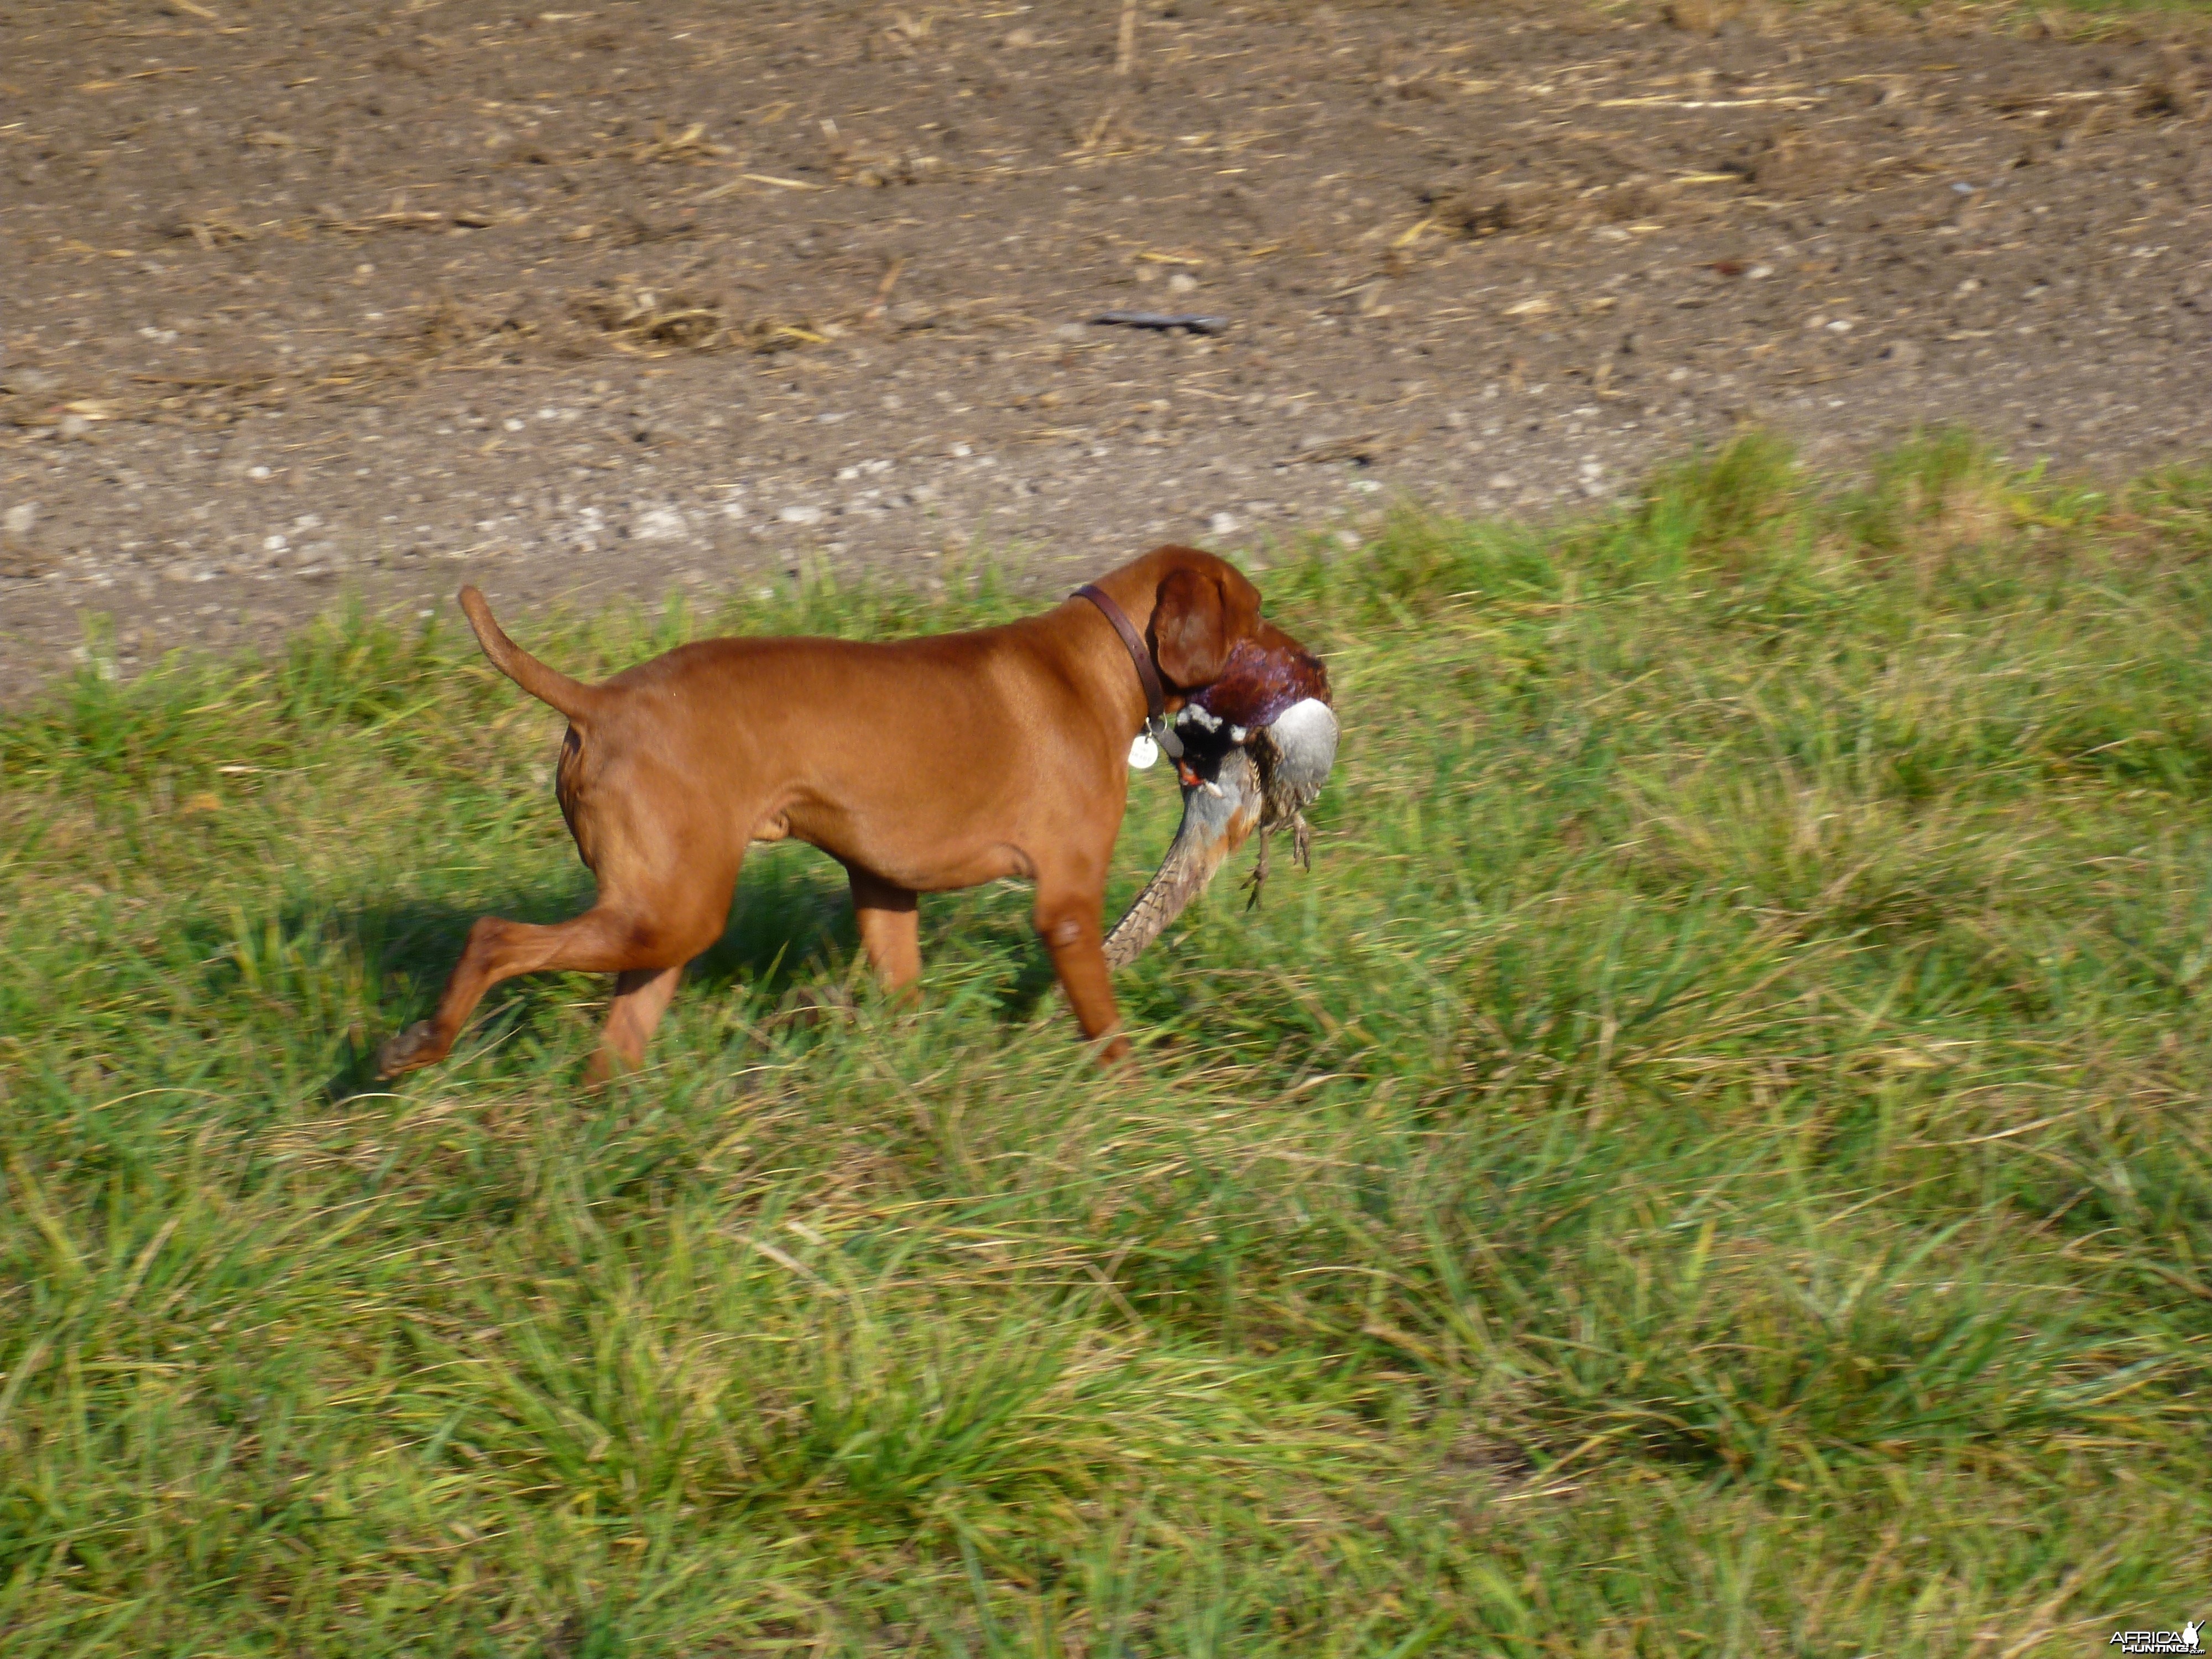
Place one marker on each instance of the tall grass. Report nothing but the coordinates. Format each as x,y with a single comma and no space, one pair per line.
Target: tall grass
1712,1159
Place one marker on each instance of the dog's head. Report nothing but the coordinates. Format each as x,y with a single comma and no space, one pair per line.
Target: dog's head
1213,647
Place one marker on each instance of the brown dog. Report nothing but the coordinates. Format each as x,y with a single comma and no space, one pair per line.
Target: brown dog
919,765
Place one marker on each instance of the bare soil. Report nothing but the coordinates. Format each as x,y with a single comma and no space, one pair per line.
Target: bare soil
333,294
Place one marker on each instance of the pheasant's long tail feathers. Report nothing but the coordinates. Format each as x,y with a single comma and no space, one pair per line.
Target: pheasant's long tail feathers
549,685
1215,822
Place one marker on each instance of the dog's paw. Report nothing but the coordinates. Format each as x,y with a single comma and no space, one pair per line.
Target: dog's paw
405,1050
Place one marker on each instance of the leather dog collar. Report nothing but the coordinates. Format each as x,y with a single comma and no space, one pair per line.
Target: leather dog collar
1156,701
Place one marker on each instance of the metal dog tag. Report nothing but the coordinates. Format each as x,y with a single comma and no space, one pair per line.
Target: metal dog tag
1143,751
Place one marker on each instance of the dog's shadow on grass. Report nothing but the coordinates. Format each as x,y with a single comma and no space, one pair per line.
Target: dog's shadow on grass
790,946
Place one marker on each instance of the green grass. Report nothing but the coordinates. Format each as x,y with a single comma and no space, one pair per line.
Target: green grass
1713,1159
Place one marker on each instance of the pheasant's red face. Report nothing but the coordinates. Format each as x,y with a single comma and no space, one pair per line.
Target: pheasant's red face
1265,674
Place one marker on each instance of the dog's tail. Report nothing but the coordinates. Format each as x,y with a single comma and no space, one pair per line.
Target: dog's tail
549,685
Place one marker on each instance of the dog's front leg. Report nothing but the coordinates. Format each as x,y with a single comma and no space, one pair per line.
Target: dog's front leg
1067,919
889,924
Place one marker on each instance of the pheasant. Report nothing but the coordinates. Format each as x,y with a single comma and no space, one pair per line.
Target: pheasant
1257,745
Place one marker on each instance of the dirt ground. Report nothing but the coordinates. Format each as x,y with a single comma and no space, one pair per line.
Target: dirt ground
388,293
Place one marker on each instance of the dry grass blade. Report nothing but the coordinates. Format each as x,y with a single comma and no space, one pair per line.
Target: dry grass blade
212,231
451,328
690,146
644,323
874,313
656,324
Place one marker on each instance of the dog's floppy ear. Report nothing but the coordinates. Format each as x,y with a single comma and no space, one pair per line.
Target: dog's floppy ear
1197,620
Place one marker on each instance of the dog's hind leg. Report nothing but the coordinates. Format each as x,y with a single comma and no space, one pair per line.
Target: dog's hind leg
641,997
645,942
